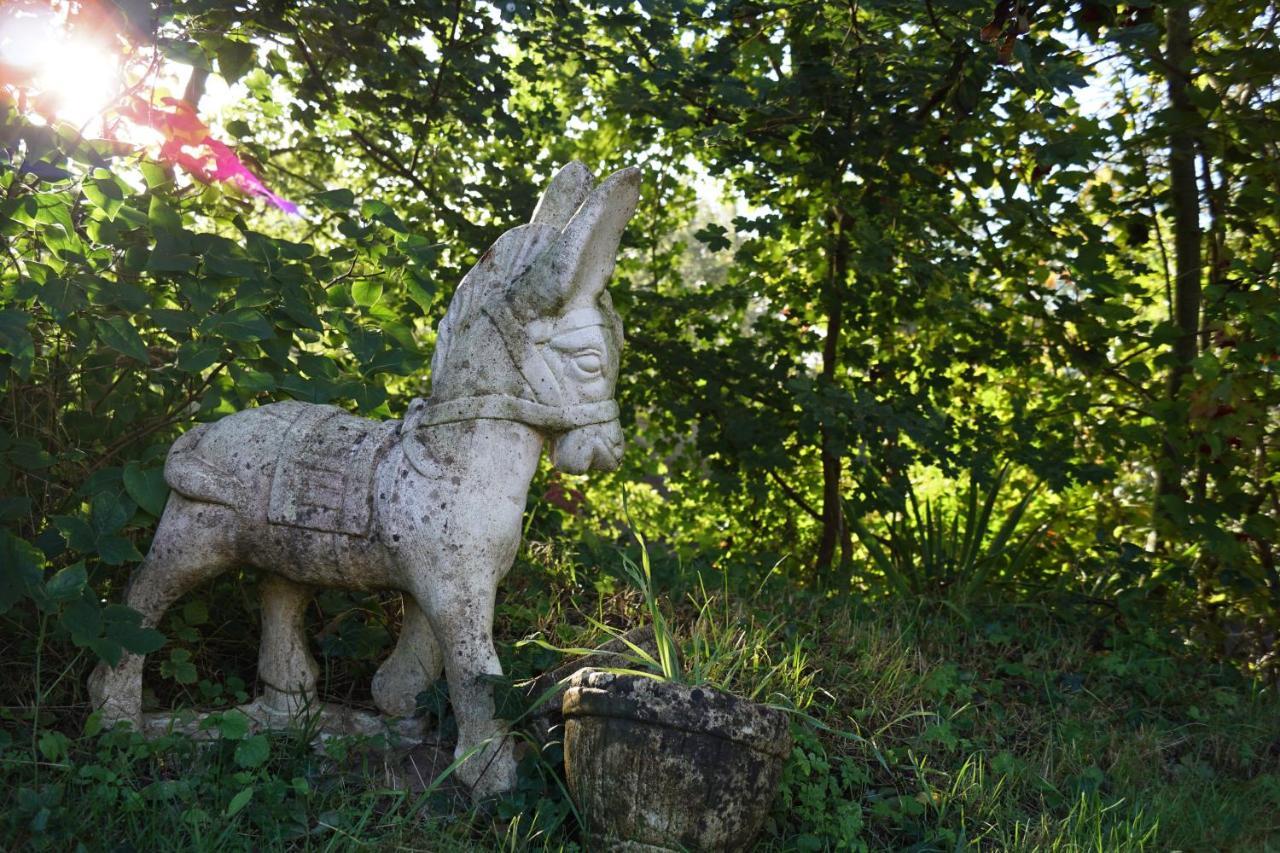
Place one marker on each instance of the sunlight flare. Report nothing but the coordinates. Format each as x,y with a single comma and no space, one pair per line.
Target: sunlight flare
71,76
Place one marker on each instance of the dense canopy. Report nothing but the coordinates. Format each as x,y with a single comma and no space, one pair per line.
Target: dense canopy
931,301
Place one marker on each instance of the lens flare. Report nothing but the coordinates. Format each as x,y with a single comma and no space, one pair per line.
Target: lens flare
70,77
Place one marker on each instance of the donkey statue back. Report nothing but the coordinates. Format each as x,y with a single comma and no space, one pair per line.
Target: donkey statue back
432,505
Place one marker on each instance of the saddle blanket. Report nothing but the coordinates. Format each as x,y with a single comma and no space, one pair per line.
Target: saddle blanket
324,477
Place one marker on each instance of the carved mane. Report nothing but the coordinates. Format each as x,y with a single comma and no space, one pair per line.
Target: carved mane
512,254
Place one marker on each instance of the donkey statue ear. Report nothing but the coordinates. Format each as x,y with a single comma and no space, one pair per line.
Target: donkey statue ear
564,195
590,241
577,265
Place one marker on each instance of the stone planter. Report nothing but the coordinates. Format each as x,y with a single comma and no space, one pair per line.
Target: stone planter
654,765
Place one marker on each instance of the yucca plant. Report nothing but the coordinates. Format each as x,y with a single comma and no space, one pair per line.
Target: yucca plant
930,550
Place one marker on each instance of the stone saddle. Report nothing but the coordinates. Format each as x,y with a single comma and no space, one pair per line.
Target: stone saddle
321,480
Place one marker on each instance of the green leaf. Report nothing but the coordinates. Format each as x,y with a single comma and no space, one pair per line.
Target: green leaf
108,512
155,174
233,725
83,620
146,486
382,212
169,256
67,583
253,751
62,296
135,638
714,236
119,334
19,569
195,612
14,508
179,667
161,215
117,550
251,381
366,292
104,194
239,801
337,199
53,745
79,535
198,356
242,324
14,337
234,59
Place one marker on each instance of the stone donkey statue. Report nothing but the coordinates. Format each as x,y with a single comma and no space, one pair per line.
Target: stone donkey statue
432,506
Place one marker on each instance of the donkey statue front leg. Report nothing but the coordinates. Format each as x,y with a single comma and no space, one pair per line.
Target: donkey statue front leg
464,614
454,523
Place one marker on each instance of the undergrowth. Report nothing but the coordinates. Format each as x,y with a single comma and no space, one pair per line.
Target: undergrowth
1038,725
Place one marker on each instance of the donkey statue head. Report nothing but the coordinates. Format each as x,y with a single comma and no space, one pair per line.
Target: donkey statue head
531,334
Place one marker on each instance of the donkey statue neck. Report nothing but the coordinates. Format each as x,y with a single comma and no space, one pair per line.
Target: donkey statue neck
528,353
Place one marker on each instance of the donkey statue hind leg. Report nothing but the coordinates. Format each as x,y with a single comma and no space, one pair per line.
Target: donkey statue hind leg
286,668
194,542
413,666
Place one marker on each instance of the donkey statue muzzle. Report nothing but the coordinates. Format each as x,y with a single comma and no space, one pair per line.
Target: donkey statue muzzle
595,447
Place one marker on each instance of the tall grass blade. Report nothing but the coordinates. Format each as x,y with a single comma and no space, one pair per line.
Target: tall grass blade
879,557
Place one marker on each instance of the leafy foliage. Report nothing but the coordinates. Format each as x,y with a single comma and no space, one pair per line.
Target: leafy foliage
955,553
880,247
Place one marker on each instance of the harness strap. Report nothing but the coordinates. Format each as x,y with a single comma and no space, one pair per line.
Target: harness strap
520,346
499,407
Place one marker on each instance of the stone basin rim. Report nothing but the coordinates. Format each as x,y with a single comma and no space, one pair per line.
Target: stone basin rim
595,693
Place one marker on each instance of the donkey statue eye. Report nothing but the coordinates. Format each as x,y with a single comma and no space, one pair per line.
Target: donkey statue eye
589,362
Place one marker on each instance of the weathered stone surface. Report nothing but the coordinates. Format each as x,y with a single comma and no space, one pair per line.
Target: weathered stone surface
657,765
327,720
546,721
527,355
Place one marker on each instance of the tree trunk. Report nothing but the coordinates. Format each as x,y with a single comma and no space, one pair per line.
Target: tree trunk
835,532
1185,202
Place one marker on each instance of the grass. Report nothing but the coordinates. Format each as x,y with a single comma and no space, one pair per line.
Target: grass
1013,726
